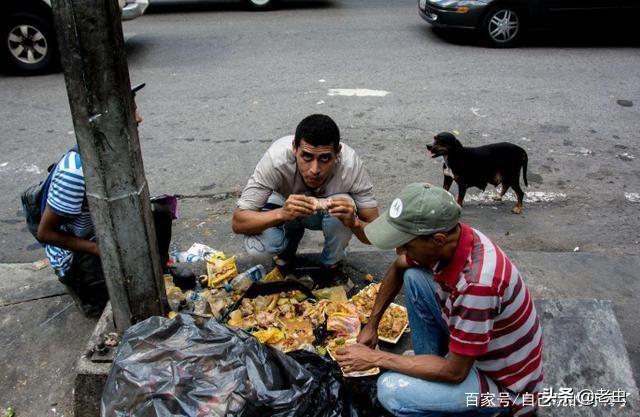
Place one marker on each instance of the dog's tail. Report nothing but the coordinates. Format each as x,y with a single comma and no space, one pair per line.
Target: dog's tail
525,160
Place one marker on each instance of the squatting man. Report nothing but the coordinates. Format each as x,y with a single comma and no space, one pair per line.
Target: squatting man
307,181
474,326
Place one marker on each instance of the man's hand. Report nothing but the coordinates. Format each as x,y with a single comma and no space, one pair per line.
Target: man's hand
355,358
297,206
344,209
368,335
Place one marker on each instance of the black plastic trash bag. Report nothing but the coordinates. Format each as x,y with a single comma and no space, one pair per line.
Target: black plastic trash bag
167,368
334,395
326,398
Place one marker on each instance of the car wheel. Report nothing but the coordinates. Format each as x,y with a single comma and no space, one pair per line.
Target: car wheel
29,44
260,4
503,26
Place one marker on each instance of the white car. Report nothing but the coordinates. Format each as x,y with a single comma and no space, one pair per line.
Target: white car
27,39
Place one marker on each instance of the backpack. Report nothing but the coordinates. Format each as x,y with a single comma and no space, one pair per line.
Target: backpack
34,198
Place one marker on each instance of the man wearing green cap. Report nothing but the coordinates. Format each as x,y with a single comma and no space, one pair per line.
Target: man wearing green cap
475,331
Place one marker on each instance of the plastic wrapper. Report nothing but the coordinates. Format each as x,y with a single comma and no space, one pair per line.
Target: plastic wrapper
336,294
167,368
220,271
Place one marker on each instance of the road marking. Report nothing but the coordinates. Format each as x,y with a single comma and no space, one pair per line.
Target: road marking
632,197
357,92
530,196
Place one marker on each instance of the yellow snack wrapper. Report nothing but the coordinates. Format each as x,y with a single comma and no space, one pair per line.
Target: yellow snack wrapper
271,336
221,271
273,276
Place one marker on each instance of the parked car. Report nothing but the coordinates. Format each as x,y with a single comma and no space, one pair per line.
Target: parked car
502,22
28,42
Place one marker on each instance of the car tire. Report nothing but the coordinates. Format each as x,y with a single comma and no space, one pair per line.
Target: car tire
260,4
502,26
29,44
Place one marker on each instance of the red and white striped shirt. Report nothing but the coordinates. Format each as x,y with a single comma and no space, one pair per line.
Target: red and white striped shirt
491,316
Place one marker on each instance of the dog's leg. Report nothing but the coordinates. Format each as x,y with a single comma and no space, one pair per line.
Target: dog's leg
462,190
447,182
503,190
520,194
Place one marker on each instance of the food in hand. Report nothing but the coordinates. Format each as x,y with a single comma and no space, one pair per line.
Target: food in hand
394,320
321,204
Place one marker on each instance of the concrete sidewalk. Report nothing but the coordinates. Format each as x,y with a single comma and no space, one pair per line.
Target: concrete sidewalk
42,334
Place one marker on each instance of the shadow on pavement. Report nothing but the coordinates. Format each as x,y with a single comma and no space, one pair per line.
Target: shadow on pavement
194,6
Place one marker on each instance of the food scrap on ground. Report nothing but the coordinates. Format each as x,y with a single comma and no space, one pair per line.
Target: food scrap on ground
286,320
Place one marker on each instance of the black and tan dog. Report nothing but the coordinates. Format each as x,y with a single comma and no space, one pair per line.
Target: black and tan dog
496,164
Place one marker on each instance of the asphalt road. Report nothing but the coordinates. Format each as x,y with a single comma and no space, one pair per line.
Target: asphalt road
222,83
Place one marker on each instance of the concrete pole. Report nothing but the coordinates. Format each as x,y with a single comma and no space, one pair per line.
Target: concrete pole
96,73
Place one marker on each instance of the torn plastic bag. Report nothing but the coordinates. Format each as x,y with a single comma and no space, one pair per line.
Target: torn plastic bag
167,368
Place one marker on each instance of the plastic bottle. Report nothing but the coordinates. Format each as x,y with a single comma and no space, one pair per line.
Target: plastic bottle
248,277
186,257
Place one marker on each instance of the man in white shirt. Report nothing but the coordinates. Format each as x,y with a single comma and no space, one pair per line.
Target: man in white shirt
280,199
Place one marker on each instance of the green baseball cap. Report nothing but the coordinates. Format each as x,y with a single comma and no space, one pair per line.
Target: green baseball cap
421,209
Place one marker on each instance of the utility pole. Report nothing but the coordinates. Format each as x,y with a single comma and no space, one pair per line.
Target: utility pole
96,73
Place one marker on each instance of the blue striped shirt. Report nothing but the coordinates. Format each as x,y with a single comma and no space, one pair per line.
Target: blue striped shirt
66,198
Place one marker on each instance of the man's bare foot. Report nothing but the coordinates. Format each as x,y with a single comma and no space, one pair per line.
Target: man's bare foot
517,210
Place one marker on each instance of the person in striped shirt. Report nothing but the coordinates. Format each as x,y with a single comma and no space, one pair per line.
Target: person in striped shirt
476,335
67,231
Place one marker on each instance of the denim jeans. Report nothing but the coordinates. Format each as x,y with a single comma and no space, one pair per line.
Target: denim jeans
407,396
283,240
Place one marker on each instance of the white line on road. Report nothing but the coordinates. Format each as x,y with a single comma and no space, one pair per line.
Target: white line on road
530,196
357,92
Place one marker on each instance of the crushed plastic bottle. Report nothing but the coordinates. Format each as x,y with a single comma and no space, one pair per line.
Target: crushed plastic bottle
248,277
185,256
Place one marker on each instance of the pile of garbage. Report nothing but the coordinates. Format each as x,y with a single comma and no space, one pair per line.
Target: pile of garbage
211,294
198,368
247,343
279,311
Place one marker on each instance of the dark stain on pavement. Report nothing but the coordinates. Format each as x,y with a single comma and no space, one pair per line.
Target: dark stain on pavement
12,221
208,187
535,178
548,128
625,103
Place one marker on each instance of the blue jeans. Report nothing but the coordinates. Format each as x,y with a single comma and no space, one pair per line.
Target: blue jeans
407,396
283,240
